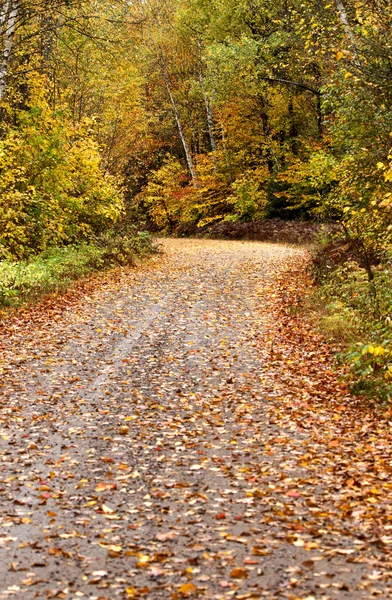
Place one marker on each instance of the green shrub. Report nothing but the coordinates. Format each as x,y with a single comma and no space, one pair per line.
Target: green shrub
55,269
122,247
358,316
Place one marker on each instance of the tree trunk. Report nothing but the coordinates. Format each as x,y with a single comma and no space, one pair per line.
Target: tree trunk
293,129
4,13
210,118
8,17
188,155
47,27
343,18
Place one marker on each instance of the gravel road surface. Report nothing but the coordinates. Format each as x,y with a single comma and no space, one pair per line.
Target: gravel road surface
140,454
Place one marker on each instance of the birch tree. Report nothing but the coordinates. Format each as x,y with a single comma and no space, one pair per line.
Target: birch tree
8,22
184,143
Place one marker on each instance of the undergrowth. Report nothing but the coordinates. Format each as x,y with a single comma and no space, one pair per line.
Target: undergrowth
54,269
355,314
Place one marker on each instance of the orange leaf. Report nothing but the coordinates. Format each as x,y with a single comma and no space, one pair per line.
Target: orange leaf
188,589
239,573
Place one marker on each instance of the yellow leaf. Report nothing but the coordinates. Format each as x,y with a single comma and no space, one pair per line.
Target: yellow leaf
379,351
339,55
131,592
115,548
143,561
311,545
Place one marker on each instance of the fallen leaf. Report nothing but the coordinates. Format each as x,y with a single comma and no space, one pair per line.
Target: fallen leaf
239,573
187,589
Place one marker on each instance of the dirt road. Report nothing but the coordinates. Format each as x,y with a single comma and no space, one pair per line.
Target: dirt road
142,455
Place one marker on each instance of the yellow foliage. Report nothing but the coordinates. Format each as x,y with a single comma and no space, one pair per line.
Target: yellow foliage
52,187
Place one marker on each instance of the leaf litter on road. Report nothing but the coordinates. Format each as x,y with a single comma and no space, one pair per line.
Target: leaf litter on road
178,431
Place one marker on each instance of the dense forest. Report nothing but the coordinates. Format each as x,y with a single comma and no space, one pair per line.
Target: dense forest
187,111
177,114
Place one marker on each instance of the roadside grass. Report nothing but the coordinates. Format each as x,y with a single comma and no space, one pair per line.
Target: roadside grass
355,316
54,270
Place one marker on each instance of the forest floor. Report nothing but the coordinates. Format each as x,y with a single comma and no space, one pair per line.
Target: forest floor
176,430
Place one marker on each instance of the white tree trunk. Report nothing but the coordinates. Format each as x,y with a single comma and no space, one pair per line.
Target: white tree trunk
8,18
179,126
340,7
344,19
3,14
